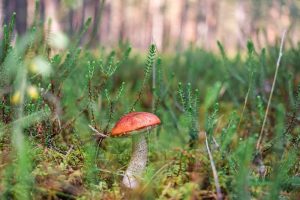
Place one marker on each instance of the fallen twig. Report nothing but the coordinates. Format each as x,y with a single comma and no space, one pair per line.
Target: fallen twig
215,173
258,144
97,132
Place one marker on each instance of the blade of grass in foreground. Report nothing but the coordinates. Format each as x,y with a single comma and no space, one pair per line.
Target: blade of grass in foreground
26,121
22,169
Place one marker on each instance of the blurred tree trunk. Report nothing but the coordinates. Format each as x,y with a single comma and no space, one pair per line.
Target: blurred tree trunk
157,23
148,20
8,8
122,12
20,7
71,19
51,13
21,18
42,10
241,20
212,21
292,29
166,27
183,19
98,12
106,24
200,30
84,5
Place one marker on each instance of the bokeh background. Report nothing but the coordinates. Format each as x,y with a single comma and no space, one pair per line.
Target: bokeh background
171,24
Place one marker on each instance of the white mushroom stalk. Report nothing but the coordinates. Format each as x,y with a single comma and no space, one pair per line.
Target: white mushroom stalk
137,162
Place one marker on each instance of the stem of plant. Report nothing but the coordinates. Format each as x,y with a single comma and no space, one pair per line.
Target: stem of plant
153,86
258,144
137,162
214,170
245,102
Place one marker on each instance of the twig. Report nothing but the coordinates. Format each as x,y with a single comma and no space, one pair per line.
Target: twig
97,132
69,151
258,144
245,102
216,143
215,173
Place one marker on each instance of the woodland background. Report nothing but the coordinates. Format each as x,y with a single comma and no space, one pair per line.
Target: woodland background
169,24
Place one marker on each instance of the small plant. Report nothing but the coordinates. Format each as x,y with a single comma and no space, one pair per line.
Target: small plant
190,106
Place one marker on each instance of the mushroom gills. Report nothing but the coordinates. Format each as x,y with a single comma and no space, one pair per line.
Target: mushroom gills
137,162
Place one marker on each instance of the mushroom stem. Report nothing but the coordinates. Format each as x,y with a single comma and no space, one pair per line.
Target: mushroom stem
137,162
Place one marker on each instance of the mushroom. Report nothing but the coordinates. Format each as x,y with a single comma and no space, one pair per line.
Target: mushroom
134,124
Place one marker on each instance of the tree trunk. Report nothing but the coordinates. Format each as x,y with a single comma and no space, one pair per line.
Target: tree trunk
200,30
21,18
42,10
8,8
122,32
157,23
211,22
97,20
51,13
71,27
183,19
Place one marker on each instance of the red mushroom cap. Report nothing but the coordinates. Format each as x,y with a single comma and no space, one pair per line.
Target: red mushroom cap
134,121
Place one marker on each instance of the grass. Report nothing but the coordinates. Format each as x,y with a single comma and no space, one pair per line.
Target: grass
212,108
